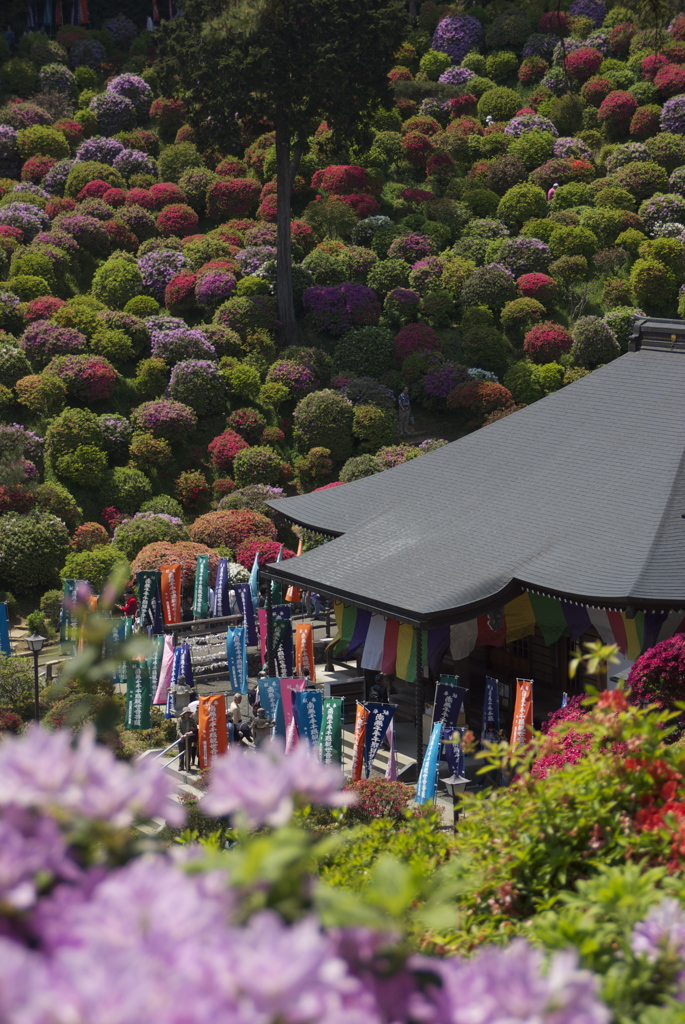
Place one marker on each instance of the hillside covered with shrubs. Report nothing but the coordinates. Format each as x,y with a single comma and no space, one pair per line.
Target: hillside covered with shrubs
491,235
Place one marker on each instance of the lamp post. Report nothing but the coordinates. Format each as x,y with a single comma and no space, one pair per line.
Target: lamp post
455,786
35,645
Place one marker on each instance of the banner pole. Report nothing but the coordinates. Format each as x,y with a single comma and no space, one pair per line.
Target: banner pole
270,653
418,697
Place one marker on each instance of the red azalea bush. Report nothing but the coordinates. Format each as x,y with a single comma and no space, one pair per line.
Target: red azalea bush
71,130
537,286
595,90
165,193
342,179
182,552
36,167
224,448
467,103
645,122
555,24
94,189
141,197
177,219
230,167
223,486
88,536
59,205
16,498
583,63
363,205
9,722
653,64
379,798
231,527
179,294
620,36
120,236
532,70
248,423
465,126
545,342
88,378
169,115
616,111
440,165
670,80
565,748
268,551
415,338
115,197
232,197
192,490
43,308
480,397
417,148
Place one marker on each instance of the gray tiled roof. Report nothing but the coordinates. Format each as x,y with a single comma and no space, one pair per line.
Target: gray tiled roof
581,494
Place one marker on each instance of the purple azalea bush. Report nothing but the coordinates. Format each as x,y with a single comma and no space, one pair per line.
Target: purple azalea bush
158,268
135,89
442,379
673,115
625,154
116,435
181,343
335,309
88,53
134,161
594,9
198,383
88,231
8,142
122,30
56,78
100,149
458,36
214,287
114,113
55,180
456,76
540,44
365,391
524,123
253,258
30,219
42,340
165,418
524,256
662,209
570,148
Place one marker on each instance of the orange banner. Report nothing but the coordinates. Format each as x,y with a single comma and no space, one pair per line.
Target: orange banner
304,651
92,607
293,593
522,725
170,586
212,737
358,745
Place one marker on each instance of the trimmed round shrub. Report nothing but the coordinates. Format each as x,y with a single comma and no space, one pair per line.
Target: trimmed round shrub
583,63
593,342
95,566
490,286
85,465
117,281
145,528
165,418
487,348
42,340
521,203
248,423
114,113
88,378
198,384
177,219
545,342
653,285
478,398
324,420
257,465
125,488
415,338
296,377
224,448
71,428
174,160
364,352
33,548
39,140
89,536
13,364
500,104
135,89
374,427
519,315
247,314
232,197
57,500
358,467
230,527
457,36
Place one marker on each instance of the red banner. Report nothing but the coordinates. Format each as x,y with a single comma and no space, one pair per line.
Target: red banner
304,651
522,725
170,587
212,737
358,745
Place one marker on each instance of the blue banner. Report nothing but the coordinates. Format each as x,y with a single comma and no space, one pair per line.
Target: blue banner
490,705
453,751
449,699
221,588
243,596
283,640
428,776
269,696
5,647
236,656
308,706
380,717
254,580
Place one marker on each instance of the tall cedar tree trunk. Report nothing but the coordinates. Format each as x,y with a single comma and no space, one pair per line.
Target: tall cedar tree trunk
286,168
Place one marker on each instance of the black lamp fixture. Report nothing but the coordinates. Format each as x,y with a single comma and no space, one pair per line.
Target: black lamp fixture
35,645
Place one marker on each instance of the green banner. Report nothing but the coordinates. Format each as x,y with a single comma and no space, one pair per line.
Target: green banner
154,662
138,696
124,635
276,587
201,594
330,737
148,591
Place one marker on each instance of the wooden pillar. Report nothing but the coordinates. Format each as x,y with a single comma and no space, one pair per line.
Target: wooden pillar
418,695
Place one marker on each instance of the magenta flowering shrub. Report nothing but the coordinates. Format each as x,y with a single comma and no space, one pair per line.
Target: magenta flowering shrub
197,383
42,340
177,219
158,268
415,338
224,448
213,287
411,248
89,232
337,308
232,197
658,675
440,381
298,379
165,418
88,378
545,342
457,36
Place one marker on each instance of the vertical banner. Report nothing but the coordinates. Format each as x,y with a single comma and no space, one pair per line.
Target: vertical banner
449,700
490,705
166,665
201,591
68,623
243,596
285,720
428,776
304,651
380,717
170,586
283,640
154,663
262,629
309,708
276,587
5,647
236,657
330,736
254,580
92,606
453,751
212,736
124,634
293,594
358,742
138,696
149,600
221,588
269,696
391,770
522,726
112,641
